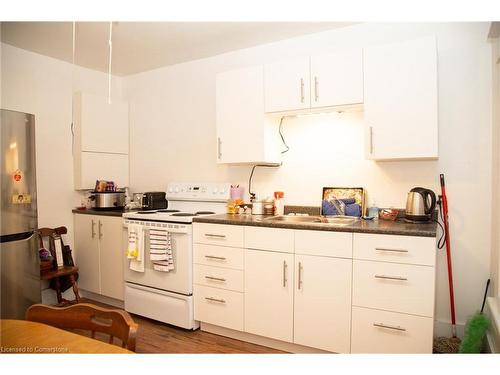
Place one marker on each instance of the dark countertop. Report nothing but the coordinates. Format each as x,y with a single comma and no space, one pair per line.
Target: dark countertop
91,211
398,227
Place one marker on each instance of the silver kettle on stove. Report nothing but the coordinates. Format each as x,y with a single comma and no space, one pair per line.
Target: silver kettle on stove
420,204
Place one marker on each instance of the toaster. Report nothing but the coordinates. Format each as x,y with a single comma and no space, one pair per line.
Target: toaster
154,200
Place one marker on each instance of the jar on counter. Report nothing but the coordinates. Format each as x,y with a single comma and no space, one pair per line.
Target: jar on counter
269,206
279,203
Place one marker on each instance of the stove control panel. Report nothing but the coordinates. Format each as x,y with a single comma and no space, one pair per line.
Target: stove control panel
203,191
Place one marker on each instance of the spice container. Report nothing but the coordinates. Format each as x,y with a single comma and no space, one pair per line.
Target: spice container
279,203
269,206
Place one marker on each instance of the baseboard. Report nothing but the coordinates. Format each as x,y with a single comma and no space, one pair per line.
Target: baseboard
103,299
259,340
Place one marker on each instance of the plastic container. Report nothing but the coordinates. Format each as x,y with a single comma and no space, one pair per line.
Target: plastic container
279,203
373,210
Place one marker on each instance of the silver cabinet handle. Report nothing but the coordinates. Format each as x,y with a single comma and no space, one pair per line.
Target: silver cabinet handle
215,278
93,228
215,235
396,328
316,83
392,250
215,299
302,90
299,284
219,149
399,278
100,229
285,266
214,257
371,139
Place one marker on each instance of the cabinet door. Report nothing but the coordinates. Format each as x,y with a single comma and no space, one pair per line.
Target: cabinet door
87,252
101,166
109,231
269,294
104,126
337,78
322,308
287,85
400,100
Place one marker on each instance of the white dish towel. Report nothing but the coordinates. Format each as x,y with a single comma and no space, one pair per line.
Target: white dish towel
135,249
160,250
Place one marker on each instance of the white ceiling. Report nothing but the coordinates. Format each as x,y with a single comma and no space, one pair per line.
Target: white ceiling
141,46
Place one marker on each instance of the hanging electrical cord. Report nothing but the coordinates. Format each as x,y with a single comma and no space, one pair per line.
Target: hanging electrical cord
281,135
252,195
442,240
110,43
73,90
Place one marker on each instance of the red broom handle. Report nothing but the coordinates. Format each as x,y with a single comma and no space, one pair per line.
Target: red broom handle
448,253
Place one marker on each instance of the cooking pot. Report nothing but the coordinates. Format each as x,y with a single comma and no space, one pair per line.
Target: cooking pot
108,200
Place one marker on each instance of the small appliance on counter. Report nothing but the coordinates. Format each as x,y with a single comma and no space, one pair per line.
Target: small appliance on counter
418,207
154,200
108,200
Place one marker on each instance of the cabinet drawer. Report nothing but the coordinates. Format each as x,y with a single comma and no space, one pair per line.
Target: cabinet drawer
329,244
218,277
375,331
220,307
272,239
397,249
395,287
218,234
220,256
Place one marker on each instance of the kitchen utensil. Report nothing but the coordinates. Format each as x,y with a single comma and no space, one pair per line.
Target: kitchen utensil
418,207
388,214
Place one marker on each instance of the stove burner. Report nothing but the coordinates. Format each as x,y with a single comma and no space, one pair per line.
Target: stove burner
167,211
183,214
204,213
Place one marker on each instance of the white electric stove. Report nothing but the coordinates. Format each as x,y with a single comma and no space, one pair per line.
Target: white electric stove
168,296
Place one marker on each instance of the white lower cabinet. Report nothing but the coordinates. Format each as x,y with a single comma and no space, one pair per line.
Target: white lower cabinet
217,306
377,331
269,294
322,306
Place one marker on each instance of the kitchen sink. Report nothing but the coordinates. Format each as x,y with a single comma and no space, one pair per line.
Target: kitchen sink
295,219
332,220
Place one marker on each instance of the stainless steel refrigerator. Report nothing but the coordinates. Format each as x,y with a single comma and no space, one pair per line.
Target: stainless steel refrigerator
19,260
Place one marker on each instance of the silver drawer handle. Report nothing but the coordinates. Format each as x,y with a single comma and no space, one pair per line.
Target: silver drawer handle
393,250
214,235
214,278
399,278
396,328
215,300
214,257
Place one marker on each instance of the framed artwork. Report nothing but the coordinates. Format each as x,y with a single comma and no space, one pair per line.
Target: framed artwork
352,197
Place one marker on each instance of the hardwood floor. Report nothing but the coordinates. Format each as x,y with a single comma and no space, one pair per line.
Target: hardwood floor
157,337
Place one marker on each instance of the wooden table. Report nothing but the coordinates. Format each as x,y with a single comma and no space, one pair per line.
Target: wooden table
21,336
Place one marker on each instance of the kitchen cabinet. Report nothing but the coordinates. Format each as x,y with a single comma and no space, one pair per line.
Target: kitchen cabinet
323,80
322,305
99,253
101,141
269,294
400,100
337,78
287,85
245,135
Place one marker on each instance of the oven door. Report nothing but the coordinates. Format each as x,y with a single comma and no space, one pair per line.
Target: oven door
180,280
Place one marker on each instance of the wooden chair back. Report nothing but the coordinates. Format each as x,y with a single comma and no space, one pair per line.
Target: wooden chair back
88,317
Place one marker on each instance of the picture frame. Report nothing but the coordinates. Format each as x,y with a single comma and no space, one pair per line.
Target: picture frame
356,193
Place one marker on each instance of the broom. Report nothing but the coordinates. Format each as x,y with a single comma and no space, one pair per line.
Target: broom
475,329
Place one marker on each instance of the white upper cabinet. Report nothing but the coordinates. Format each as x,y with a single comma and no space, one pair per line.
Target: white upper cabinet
337,78
103,126
287,85
400,100
244,133
101,141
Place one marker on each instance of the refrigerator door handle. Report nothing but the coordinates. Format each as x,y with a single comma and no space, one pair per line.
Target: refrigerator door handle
16,236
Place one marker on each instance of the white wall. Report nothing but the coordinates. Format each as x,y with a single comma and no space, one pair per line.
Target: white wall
172,114
495,221
43,86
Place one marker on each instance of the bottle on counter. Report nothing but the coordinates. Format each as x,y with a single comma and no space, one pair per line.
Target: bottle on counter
279,203
373,210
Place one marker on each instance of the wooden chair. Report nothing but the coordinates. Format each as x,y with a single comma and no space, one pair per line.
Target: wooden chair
63,277
88,317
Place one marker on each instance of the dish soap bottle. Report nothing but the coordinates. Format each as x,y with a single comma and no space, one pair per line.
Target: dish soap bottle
373,210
